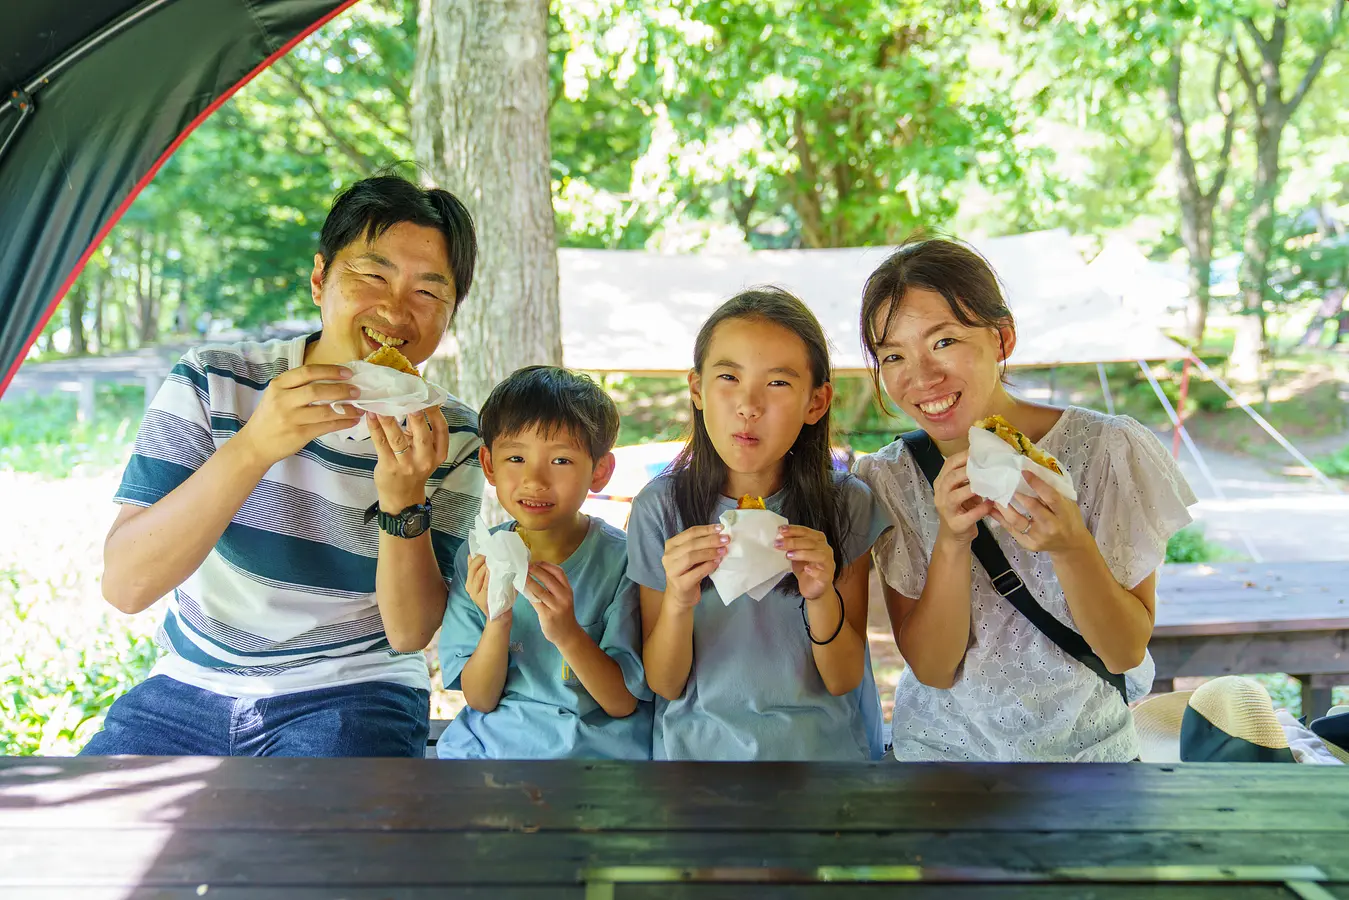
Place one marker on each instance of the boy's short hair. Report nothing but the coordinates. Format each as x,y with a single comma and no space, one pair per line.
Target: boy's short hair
551,399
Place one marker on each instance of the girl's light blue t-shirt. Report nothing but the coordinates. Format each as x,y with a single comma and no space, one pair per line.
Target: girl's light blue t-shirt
754,692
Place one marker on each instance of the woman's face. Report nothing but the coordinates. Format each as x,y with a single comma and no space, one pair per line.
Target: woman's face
943,374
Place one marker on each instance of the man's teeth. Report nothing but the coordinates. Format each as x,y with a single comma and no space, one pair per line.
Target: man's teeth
938,406
384,339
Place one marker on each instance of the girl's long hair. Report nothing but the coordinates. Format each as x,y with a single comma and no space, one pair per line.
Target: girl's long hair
811,496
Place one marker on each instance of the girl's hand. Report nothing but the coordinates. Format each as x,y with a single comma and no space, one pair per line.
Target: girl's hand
1052,523
958,507
691,556
811,556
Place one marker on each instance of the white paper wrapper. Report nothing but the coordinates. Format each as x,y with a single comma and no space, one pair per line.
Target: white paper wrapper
995,470
386,392
752,565
507,565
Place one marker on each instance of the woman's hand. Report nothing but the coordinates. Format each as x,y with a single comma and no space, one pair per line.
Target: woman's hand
958,507
1051,523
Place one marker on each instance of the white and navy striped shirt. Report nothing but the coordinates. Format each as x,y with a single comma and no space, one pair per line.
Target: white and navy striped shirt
285,601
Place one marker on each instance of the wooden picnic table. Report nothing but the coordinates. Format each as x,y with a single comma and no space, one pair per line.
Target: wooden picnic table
1244,618
361,829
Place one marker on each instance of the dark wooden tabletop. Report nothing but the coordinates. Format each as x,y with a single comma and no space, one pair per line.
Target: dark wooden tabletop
241,829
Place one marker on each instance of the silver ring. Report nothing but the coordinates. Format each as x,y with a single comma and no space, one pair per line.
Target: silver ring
401,452
1030,520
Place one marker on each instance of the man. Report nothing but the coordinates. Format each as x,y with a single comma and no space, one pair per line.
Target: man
307,570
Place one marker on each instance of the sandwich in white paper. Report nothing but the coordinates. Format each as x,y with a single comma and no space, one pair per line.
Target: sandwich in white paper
507,564
752,565
386,392
999,455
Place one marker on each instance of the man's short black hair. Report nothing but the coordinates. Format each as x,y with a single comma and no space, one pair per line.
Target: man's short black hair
552,400
373,205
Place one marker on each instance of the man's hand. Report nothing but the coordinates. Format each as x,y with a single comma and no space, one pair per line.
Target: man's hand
407,457
287,417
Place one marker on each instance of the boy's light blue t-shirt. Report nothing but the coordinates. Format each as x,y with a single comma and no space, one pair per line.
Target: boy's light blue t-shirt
754,692
545,712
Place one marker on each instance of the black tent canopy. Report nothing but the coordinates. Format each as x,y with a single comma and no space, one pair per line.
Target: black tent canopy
94,97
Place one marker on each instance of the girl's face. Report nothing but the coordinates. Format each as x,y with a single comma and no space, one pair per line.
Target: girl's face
756,391
943,374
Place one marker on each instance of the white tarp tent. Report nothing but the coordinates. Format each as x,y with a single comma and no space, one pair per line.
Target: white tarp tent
1144,286
634,311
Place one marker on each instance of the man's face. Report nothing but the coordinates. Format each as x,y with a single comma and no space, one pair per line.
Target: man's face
397,289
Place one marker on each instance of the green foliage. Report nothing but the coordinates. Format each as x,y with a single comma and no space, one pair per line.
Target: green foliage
1190,546
44,434
54,690
1336,465
1286,691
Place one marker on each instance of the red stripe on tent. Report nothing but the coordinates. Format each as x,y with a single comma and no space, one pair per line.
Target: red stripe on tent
150,175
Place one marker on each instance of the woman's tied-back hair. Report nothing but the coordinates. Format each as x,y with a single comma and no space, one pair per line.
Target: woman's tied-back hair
952,269
811,497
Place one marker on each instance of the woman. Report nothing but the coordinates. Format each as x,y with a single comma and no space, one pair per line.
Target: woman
983,682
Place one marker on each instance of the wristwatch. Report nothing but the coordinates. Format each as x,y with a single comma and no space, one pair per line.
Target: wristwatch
410,523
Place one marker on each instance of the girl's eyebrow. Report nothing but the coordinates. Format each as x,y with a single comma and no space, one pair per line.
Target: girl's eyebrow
776,370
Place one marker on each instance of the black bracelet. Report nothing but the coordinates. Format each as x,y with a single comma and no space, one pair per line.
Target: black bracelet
837,631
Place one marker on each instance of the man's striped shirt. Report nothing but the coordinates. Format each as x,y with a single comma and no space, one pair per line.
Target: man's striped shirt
285,601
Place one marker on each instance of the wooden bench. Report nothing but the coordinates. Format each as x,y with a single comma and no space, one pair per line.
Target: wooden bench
1243,618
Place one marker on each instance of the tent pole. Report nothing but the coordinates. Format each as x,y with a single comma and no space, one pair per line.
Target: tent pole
1180,408
24,112
1270,429
1105,389
1194,451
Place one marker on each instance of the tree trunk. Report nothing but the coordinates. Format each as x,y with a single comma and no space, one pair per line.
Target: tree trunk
1196,203
123,310
76,302
100,290
1331,307
480,127
1250,351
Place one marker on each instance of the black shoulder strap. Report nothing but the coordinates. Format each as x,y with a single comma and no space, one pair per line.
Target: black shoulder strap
1007,583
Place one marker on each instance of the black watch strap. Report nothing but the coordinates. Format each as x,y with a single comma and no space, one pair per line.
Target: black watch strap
411,522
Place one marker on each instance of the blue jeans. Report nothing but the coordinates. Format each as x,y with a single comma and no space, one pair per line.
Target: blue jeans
164,717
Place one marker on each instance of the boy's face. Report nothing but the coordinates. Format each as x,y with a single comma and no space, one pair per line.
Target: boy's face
542,480
398,286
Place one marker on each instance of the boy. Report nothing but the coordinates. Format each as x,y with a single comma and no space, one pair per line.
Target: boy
560,674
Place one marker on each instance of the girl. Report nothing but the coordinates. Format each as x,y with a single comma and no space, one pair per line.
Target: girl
982,682
789,676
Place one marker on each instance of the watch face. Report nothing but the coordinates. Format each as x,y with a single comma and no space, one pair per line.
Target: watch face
416,524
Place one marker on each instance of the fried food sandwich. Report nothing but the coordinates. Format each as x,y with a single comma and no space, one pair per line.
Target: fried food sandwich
1019,442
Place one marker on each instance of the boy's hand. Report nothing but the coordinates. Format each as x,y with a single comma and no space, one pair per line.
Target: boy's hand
476,582
286,418
550,592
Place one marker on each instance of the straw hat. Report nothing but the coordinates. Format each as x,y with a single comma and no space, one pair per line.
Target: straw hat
1228,719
